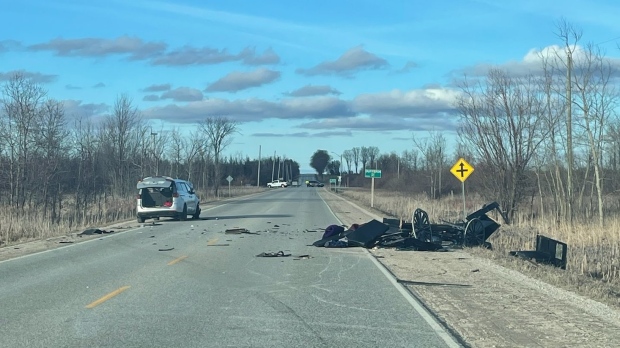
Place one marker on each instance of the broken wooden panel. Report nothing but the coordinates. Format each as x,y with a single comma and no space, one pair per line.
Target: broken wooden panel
548,251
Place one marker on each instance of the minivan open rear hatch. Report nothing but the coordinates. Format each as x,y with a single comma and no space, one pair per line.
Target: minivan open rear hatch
156,193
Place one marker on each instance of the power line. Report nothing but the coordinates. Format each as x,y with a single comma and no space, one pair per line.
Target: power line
610,40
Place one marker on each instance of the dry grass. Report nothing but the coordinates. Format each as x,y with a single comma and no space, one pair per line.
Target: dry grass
593,268
22,226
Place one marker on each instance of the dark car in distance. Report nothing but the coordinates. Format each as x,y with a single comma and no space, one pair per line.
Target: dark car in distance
314,183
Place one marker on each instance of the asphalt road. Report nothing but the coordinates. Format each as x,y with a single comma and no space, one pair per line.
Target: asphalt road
211,290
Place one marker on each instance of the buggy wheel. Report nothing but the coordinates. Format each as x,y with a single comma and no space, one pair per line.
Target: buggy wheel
421,225
474,233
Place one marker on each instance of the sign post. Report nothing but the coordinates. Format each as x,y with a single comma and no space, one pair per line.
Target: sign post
229,179
372,174
462,170
332,181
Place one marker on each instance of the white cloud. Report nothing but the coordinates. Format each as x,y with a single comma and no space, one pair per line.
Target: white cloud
312,90
422,109
31,75
353,60
183,94
413,103
532,62
249,110
77,108
238,80
158,88
134,47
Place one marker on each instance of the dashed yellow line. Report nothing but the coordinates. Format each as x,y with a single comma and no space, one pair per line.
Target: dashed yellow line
107,297
212,241
176,260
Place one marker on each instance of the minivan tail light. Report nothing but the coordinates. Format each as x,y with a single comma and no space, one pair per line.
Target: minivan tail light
175,195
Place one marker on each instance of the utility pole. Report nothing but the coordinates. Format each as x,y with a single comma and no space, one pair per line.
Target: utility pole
279,162
569,137
154,152
273,166
258,176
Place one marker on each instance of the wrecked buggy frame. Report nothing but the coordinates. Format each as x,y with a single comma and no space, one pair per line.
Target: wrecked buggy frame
474,231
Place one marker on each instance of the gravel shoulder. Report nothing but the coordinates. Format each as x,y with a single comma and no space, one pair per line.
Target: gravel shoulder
489,305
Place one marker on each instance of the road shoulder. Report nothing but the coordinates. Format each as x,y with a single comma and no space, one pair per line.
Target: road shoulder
74,237
489,305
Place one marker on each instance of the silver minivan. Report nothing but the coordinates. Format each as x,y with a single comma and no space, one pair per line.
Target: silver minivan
163,196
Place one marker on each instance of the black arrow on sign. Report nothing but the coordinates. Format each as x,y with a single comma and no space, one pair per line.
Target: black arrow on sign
462,170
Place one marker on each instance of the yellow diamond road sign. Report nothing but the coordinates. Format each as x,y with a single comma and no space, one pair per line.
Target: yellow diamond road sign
462,170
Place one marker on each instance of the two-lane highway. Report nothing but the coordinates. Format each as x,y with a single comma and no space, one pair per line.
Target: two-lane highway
211,290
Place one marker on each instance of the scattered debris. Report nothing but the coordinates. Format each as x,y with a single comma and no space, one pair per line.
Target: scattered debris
302,257
166,249
91,231
65,242
238,231
475,270
278,254
218,245
548,251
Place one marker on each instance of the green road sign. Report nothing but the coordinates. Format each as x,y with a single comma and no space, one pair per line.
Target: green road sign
372,173
332,181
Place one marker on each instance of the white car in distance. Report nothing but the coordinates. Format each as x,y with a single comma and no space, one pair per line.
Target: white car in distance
277,183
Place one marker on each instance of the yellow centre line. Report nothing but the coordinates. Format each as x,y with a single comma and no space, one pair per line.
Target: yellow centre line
176,260
212,241
107,297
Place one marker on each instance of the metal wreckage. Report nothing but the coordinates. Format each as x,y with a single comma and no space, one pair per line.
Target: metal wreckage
421,235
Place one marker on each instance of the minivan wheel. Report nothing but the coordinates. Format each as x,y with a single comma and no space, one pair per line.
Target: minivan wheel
196,215
183,215
140,219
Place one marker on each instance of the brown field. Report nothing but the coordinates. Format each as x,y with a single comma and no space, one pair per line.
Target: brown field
30,224
593,268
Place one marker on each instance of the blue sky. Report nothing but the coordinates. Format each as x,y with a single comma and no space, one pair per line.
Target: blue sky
298,76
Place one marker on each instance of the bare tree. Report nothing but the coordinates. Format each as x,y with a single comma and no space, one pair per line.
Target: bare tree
218,131
570,36
356,158
51,140
502,118
596,100
434,151
348,158
21,113
373,153
118,130
194,145
364,155
410,159
177,144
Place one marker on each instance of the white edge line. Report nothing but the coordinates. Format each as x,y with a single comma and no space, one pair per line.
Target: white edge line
414,302
69,246
111,235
